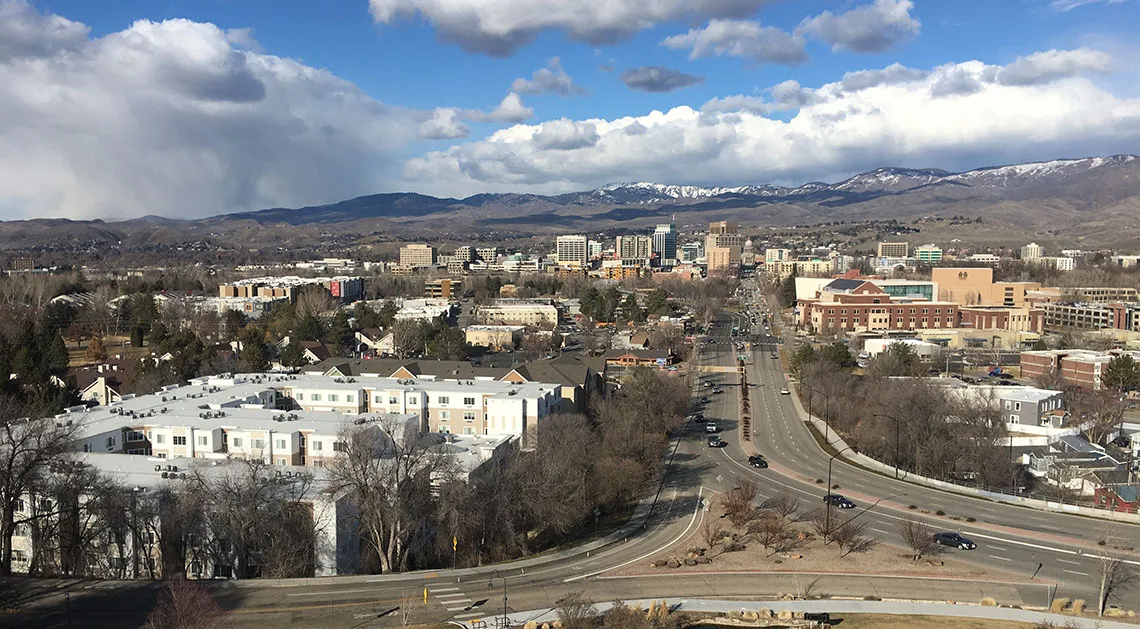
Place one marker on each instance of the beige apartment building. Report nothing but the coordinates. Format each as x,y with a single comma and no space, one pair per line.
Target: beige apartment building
415,256
976,287
528,312
495,337
573,250
894,250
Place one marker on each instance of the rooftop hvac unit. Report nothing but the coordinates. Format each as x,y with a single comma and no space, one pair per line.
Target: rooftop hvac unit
158,468
166,474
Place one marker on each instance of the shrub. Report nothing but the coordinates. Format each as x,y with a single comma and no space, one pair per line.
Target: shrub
989,602
971,519
1058,605
912,507
940,512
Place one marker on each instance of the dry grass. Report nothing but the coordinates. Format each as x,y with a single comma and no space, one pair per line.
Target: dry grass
883,621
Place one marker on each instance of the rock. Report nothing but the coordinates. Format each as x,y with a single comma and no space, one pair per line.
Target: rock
778,561
751,615
765,613
736,613
784,615
703,560
659,563
689,561
531,625
673,563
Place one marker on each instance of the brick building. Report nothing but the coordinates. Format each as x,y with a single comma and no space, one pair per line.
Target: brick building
859,305
1077,367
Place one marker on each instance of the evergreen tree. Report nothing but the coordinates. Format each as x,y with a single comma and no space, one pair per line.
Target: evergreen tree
309,328
630,311
292,356
788,290
253,348
387,314
1121,373
340,334
96,351
658,302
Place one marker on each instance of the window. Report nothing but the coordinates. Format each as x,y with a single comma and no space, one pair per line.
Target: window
318,445
300,396
282,461
257,444
1017,406
203,440
469,416
316,397
237,442
135,435
160,438
468,430
280,444
469,401
318,463
349,397
443,399
411,401
196,568
445,414
110,442
161,455
378,399
179,440
445,430
333,397
393,401
339,446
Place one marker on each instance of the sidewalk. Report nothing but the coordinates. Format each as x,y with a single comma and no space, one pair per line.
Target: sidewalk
839,607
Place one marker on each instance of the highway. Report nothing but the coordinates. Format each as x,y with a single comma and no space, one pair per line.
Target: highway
1056,547
1011,539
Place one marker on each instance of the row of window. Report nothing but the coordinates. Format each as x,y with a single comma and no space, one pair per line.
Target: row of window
332,397
897,311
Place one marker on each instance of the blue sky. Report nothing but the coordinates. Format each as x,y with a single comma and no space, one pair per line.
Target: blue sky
198,107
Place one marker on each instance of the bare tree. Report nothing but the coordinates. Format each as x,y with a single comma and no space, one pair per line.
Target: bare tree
386,467
774,533
738,503
576,611
407,338
185,605
824,523
711,533
851,537
919,538
27,450
314,301
1115,576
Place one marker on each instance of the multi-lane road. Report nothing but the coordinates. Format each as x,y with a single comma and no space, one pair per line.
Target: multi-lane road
1055,549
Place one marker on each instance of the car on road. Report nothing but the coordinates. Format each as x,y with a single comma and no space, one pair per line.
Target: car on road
757,461
772,355
715,442
836,500
955,540
698,417
718,390
785,392
705,400
710,427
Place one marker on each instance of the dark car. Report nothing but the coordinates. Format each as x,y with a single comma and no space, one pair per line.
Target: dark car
715,442
757,461
705,400
772,356
955,540
837,500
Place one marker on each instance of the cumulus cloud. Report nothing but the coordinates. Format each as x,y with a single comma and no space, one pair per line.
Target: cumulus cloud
1044,67
841,132
500,27
511,110
550,79
869,28
171,118
658,79
893,74
445,124
741,38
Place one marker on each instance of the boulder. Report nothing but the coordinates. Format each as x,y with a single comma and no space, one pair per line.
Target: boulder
751,615
765,613
673,563
784,615
689,561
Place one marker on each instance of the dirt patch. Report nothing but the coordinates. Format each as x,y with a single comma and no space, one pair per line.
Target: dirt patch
884,621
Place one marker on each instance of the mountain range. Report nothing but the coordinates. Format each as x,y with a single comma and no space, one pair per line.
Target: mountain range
1100,196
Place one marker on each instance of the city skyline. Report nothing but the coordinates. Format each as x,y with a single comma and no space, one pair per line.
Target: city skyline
190,109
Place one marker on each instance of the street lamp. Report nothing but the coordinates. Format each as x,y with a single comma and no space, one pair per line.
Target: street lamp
897,421
827,504
496,574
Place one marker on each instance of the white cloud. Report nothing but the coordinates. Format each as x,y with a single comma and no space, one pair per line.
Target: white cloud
170,118
550,79
1069,5
873,27
658,79
893,74
741,38
511,110
500,27
445,124
838,132
1044,67
565,135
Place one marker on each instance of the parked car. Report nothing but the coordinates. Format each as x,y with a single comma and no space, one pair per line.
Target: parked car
715,442
837,500
785,392
705,400
955,540
757,461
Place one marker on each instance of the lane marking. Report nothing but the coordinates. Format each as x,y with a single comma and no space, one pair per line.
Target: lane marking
431,589
1083,574
682,535
880,531
330,593
1001,558
456,609
1072,563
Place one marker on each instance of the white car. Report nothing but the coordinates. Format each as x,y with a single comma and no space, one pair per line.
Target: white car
785,392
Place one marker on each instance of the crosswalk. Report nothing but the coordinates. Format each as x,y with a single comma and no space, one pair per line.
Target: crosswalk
453,600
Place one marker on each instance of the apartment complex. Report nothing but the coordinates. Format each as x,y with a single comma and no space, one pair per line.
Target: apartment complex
893,250
1013,318
417,256
1077,367
1032,251
860,305
573,250
528,312
1093,295
446,289
805,267
637,248
345,289
495,337
975,286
